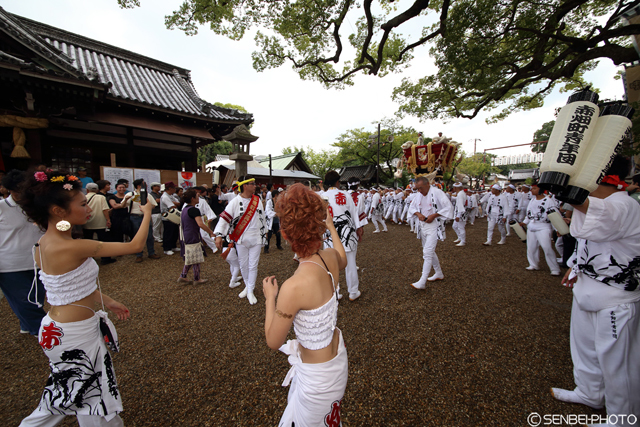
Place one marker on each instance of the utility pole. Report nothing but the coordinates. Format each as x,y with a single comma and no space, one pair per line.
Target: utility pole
475,140
378,164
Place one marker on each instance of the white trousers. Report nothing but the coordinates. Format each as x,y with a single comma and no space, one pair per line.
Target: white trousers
537,239
40,418
389,211
429,239
501,228
472,215
397,213
508,217
559,246
522,215
249,257
378,218
605,351
234,265
459,228
403,217
351,273
156,221
484,210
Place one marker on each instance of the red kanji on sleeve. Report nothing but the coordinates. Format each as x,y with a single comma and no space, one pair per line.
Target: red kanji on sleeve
331,211
341,199
333,418
50,336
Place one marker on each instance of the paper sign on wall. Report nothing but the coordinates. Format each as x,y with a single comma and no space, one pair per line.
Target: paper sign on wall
149,175
114,174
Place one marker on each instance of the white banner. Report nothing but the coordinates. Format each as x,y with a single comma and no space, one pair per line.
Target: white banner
186,179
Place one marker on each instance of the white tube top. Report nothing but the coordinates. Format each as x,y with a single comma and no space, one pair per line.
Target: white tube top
72,286
314,328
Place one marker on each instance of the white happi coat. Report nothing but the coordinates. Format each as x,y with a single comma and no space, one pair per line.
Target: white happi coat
359,201
610,255
345,218
524,201
536,218
497,206
512,204
460,210
377,207
270,213
483,202
367,203
435,201
256,231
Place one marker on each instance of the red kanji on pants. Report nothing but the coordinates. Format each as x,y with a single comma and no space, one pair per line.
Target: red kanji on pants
50,336
333,418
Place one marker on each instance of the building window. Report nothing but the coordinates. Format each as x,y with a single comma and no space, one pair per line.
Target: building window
69,159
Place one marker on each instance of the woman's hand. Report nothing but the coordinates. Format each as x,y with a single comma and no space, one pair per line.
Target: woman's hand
146,208
329,219
118,309
270,287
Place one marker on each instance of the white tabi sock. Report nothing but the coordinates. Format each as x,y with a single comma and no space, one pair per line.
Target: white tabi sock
251,297
570,396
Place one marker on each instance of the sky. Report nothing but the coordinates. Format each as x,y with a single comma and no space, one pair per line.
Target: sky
287,110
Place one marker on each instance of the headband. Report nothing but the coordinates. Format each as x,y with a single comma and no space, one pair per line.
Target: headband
614,180
240,184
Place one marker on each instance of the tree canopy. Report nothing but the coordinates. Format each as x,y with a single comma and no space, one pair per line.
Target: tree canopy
542,134
360,147
506,54
477,166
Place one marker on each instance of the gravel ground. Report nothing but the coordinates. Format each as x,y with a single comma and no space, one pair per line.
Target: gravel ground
481,347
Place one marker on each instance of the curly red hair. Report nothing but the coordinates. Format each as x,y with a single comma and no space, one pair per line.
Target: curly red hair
302,213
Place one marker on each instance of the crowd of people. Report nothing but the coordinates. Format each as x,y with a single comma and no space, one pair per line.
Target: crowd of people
323,227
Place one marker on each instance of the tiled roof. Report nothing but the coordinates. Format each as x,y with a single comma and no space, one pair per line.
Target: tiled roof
134,78
279,162
363,173
261,171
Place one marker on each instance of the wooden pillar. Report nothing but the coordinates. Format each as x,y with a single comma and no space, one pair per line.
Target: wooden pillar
192,164
131,149
34,145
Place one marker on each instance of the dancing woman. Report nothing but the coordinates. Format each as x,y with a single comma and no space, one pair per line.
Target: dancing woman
82,381
309,301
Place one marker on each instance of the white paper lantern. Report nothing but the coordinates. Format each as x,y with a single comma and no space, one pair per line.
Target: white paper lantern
558,222
606,140
518,229
568,141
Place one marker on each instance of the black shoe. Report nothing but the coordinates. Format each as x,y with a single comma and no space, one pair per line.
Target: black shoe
108,261
266,250
280,248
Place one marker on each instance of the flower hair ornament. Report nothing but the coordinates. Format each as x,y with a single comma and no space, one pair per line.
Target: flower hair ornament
66,179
